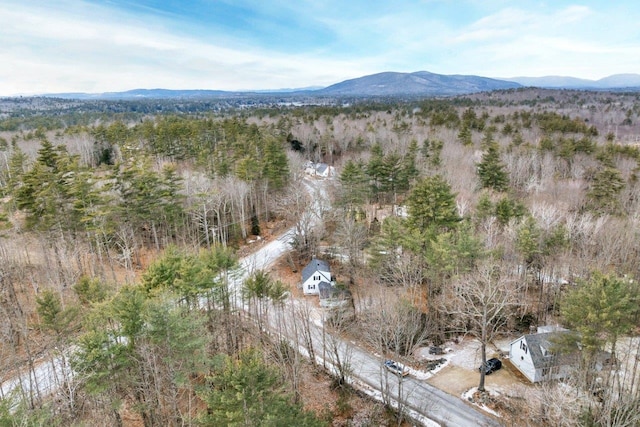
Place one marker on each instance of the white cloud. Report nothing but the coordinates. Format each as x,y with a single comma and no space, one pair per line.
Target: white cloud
54,51
527,42
573,13
69,45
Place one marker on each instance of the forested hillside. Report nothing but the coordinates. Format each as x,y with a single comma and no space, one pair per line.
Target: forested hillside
121,229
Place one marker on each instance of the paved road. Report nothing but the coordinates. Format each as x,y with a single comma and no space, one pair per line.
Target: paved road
436,406
366,368
421,398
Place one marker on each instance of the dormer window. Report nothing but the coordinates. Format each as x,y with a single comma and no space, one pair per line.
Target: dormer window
544,351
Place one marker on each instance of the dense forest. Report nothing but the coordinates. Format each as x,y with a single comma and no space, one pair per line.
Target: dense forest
123,226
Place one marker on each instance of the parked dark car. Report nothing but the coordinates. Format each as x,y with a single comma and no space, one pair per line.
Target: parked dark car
396,368
491,366
434,349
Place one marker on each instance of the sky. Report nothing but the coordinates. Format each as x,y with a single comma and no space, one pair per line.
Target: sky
55,46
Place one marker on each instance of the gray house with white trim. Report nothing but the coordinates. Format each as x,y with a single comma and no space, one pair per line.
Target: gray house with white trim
536,357
533,355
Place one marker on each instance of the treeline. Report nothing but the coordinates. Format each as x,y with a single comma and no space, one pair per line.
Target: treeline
159,180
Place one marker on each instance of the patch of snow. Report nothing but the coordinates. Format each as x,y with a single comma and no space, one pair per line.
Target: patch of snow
466,354
468,396
502,344
440,366
375,394
425,375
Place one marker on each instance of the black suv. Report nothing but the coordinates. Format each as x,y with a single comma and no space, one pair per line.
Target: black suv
492,365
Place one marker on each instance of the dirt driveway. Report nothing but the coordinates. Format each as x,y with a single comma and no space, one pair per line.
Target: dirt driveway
461,373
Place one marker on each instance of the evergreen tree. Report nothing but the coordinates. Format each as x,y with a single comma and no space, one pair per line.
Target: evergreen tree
142,349
603,195
484,208
354,184
46,192
464,136
276,166
529,243
246,392
599,310
394,235
52,316
507,209
376,170
149,201
16,171
432,151
90,291
432,205
255,222
491,170
248,169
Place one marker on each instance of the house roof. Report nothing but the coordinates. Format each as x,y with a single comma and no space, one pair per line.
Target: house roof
538,343
313,266
321,167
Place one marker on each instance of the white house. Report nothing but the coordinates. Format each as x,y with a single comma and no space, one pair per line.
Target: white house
319,169
533,356
324,170
315,272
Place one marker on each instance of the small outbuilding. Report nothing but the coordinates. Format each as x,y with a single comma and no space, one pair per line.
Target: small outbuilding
331,296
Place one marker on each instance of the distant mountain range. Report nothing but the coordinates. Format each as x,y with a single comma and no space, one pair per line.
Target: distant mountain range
616,81
421,83
147,94
387,84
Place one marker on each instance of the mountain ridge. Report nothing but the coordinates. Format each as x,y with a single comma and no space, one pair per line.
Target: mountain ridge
417,83
614,81
384,84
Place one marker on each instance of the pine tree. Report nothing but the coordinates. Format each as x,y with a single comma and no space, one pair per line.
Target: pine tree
603,195
17,168
248,393
376,170
354,184
599,310
46,192
255,222
276,165
491,170
52,316
464,136
432,205
149,201
529,242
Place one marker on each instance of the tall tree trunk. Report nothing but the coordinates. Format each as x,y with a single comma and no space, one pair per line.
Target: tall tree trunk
483,347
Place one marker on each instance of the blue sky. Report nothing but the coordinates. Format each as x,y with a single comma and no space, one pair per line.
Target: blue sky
49,46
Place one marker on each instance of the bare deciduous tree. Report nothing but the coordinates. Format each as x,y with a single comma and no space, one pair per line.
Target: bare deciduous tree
298,208
391,324
351,235
480,304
